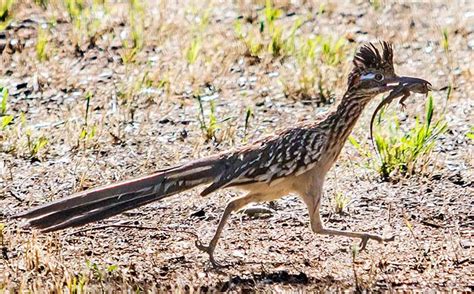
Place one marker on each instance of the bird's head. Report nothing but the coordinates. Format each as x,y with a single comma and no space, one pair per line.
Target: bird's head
373,72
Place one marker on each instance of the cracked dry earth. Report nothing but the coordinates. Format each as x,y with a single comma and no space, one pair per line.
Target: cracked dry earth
152,248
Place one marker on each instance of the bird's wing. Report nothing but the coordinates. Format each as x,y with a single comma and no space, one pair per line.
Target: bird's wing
292,152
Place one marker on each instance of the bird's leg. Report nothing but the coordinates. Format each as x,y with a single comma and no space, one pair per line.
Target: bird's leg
233,205
406,94
318,227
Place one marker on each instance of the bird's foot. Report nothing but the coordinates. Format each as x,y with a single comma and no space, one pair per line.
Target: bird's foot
210,251
366,237
403,106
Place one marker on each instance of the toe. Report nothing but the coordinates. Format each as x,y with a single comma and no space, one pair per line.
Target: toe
201,247
363,243
389,239
214,263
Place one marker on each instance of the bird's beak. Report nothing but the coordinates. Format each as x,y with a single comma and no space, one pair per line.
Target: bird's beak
415,85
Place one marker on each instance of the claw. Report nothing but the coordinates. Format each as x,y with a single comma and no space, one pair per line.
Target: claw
363,242
389,239
367,237
199,245
209,251
403,106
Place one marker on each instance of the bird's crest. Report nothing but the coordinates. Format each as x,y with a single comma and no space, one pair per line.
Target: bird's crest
369,57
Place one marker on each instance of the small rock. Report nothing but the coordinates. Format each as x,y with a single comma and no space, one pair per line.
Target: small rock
470,44
238,253
199,214
258,211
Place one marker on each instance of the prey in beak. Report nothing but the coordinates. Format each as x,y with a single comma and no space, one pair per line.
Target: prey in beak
401,87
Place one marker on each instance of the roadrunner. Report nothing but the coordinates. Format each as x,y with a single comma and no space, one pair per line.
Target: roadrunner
295,160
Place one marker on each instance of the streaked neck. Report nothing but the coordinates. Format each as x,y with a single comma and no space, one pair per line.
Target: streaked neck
340,123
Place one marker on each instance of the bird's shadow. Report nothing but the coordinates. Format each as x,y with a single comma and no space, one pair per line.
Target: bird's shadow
250,280
276,277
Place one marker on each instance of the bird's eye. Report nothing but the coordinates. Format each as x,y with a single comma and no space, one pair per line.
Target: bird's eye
378,77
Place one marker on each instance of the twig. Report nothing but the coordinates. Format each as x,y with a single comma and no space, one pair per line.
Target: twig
14,194
355,251
410,229
130,227
431,224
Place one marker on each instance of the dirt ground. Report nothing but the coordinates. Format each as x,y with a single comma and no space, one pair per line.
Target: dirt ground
142,64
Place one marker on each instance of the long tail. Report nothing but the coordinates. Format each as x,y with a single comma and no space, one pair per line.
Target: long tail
103,202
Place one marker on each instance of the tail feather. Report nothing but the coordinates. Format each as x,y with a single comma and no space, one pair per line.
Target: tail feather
103,202
93,215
